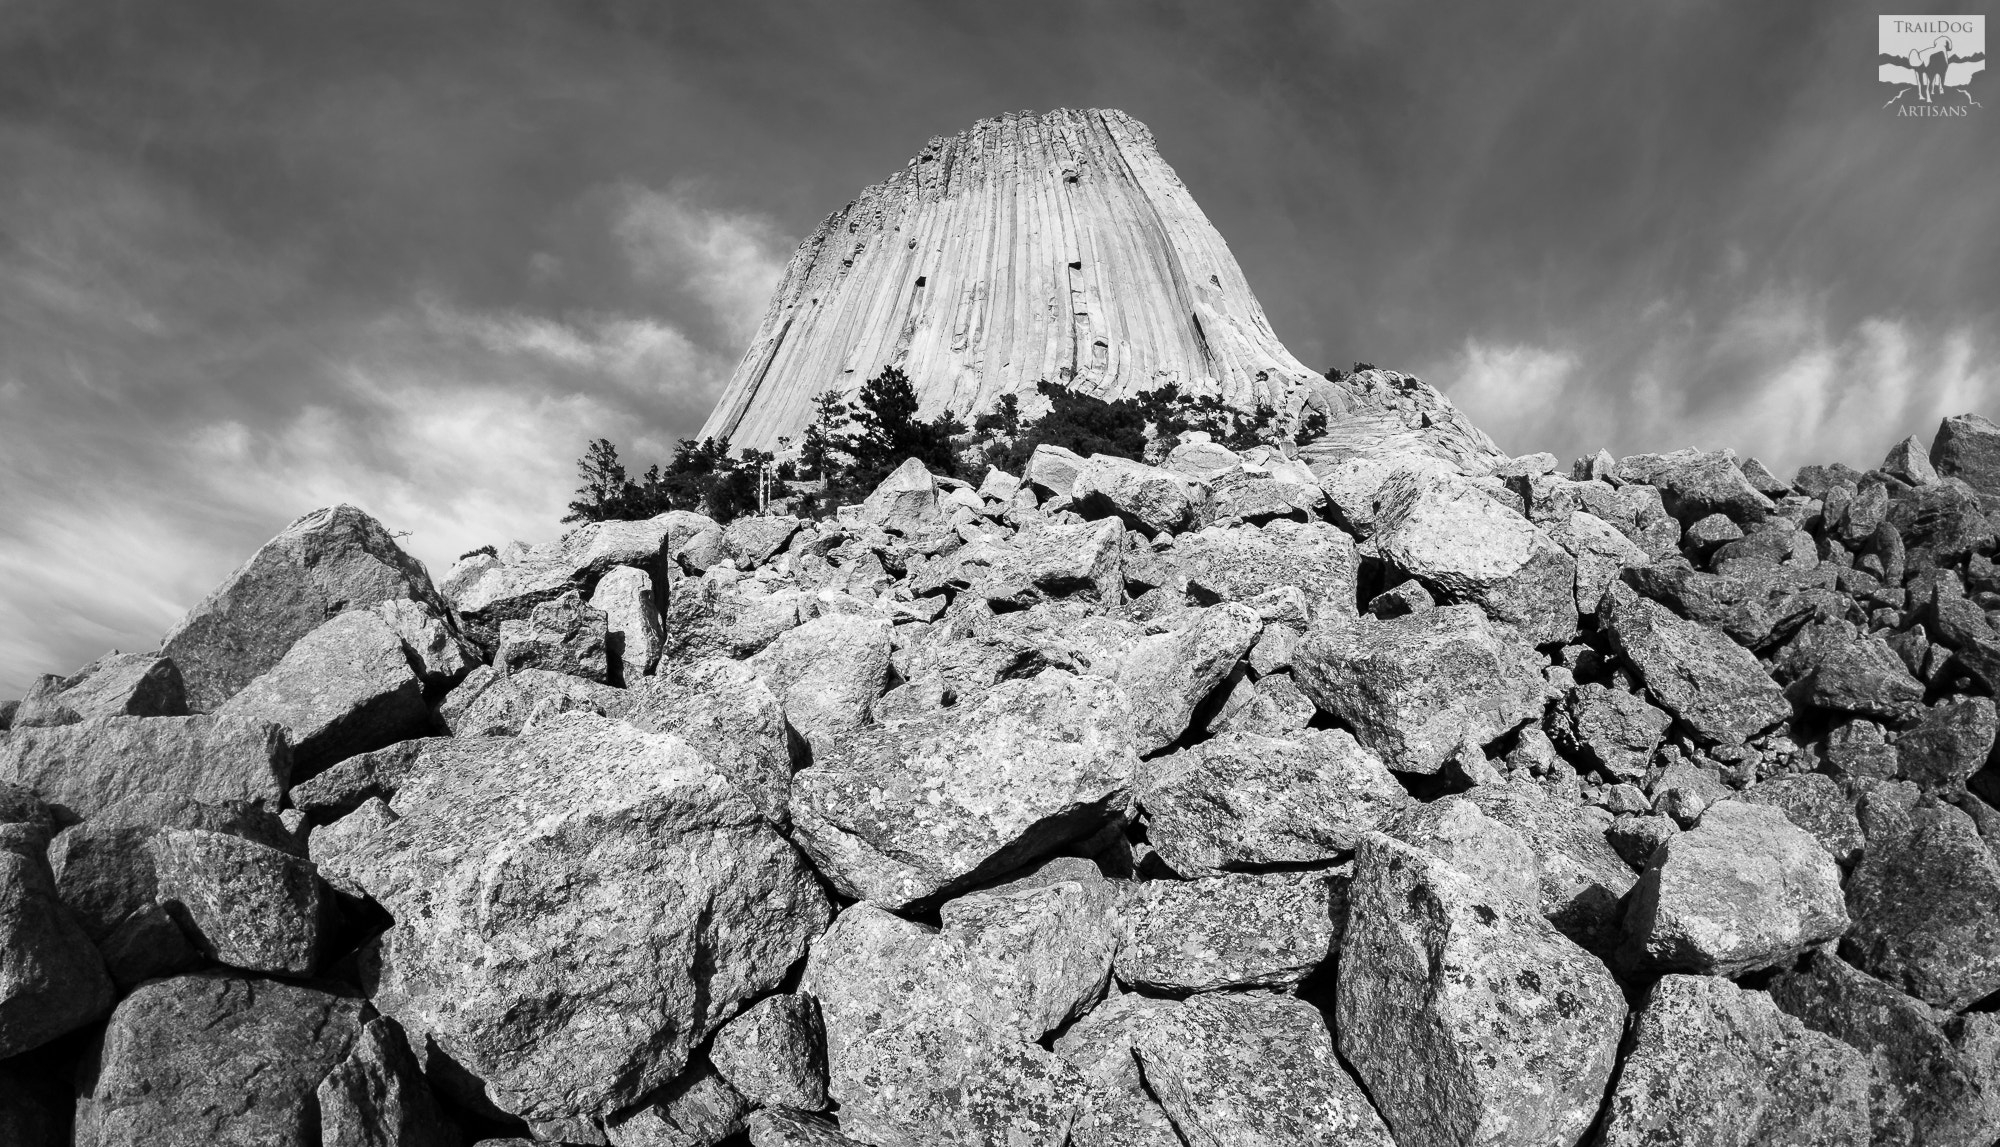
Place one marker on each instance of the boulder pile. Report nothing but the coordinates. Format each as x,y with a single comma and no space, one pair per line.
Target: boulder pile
1376,798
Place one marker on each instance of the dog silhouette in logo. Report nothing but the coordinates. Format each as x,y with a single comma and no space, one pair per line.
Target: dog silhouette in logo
1929,64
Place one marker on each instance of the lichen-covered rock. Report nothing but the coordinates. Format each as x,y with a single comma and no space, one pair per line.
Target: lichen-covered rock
1045,561
1926,905
1114,1108
1694,484
728,714
631,623
1148,497
1583,883
241,903
1953,741
1239,800
1168,675
1467,1015
1713,684
698,1109
773,1053
326,562
345,688
1457,832
1414,688
1863,676
1935,1074
1245,1068
576,910
1714,1063
215,1060
776,1127
1466,547
1601,551
1238,563
562,635
489,703
1967,447
1744,889
1612,729
377,1096
755,539
52,980
710,617
351,783
440,653
827,673
904,811
1238,930
1814,802
85,768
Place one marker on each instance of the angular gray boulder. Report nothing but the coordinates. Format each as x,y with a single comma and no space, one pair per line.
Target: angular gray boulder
576,909
1238,563
774,1053
1467,1015
1168,675
1714,1063
827,674
1744,889
1114,1108
324,563
1416,687
1583,880
493,704
87,767
632,623
1238,800
345,688
1926,905
1713,684
1967,447
115,685
1147,497
729,715
239,902
1694,484
1615,730
52,980
1247,1068
215,1060
1238,930
562,635
1953,741
1466,547
901,812
1814,802
377,1096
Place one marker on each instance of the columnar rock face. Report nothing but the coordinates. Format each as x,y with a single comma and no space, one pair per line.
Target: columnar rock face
1057,247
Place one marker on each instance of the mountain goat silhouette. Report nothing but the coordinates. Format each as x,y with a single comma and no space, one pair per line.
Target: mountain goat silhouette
1930,64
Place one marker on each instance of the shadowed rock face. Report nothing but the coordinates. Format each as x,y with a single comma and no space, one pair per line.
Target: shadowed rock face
1056,247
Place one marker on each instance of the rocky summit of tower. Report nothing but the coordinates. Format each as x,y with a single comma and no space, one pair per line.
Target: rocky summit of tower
1057,247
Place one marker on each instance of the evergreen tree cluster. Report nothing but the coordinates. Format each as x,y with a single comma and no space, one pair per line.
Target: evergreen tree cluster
702,477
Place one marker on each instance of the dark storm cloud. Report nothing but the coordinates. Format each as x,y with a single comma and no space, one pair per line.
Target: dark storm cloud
257,257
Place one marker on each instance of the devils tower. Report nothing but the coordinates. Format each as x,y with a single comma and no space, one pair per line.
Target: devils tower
1055,247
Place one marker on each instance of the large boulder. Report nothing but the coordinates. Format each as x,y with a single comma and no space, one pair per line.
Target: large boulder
1415,688
1254,1068
1967,447
901,812
1468,1017
85,768
1694,484
1814,802
1953,741
241,903
377,1096
345,688
827,674
1238,563
215,1060
1864,677
489,703
52,980
115,685
729,715
1168,675
1466,547
326,562
1044,561
1713,684
1146,497
1745,889
1926,903
1238,800
1714,1063
1113,1106
562,635
1238,930
774,1053
632,623
1583,881
577,909
1615,730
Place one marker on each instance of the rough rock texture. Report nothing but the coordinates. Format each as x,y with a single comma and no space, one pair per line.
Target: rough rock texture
1968,448
377,1096
215,1060
1254,1068
1814,802
1414,688
561,636
1465,547
773,1053
241,903
1583,884
1232,931
900,812
115,685
1744,889
1145,497
1469,1018
326,562
724,711
1166,676
1952,742
1714,1063
1926,905
1694,484
52,980
1612,729
1696,673
86,767
1238,563
1240,800
1113,1106
827,673
492,704
576,909
947,270
776,1127
345,688
632,623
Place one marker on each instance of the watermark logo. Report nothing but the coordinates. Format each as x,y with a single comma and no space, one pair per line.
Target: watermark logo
1928,64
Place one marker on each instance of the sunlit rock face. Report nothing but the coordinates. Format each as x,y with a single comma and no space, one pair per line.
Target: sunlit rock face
1055,247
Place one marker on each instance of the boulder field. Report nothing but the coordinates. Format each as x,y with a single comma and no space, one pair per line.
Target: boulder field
1242,800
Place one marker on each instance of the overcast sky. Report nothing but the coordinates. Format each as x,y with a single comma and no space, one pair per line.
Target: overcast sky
258,257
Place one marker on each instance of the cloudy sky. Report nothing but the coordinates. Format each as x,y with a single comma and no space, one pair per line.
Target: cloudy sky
259,256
